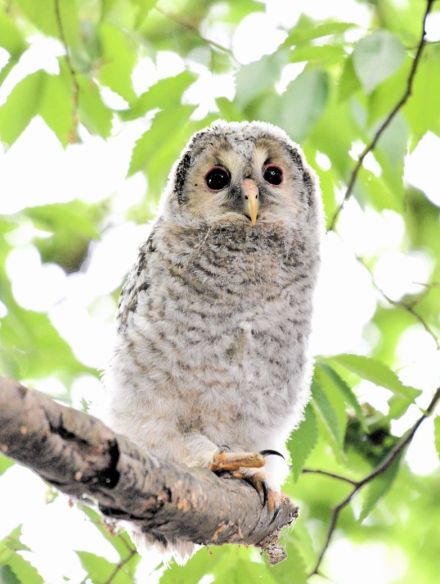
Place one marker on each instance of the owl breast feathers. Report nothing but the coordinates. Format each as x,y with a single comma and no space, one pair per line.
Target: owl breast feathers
214,319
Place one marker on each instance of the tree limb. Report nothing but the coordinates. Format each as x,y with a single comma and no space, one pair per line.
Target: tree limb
387,121
81,456
392,455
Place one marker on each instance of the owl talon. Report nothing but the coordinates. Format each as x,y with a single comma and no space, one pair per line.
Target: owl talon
235,460
267,495
260,485
273,502
269,451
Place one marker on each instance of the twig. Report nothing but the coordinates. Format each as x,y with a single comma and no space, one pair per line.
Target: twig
188,25
79,455
329,474
381,467
387,121
404,305
73,137
119,567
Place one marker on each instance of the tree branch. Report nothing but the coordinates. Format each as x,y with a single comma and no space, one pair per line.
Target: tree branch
402,304
81,456
329,474
387,121
380,468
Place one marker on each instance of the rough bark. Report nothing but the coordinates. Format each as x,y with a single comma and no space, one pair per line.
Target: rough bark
82,457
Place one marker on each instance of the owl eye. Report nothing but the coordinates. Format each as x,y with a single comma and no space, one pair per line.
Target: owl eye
217,178
273,174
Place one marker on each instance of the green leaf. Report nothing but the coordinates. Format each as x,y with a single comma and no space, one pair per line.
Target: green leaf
437,434
121,542
101,570
326,413
12,541
5,463
43,15
376,372
349,82
98,568
93,113
56,107
291,111
164,94
20,107
229,110
376,57
374,190
38,93
337,401
119,58
24,570
421,110
307,29
298,114
318,54
164,124
351,400
144,7
256,78
302,441
378,488
7,576
10,37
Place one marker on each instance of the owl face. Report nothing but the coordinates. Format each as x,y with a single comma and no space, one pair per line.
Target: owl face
242,172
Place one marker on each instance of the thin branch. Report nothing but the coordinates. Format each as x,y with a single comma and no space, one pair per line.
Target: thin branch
119,567
82,457
329,474
75,85
188,25
404,305
394,453
369,147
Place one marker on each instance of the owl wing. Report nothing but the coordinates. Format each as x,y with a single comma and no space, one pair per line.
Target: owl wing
137,281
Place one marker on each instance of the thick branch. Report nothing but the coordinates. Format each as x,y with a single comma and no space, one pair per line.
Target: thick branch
82,457
387,121
393,454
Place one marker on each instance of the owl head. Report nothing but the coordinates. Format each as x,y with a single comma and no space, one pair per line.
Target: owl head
249,173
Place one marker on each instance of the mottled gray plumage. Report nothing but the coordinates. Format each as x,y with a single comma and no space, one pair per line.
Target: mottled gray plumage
214,318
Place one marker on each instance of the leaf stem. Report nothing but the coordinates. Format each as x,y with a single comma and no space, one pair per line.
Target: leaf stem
75,94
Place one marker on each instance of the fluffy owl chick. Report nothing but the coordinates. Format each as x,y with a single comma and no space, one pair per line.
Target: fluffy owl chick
211,364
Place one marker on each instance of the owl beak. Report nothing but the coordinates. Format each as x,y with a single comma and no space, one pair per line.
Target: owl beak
251,201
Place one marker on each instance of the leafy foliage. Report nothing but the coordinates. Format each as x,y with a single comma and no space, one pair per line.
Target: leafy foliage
330,84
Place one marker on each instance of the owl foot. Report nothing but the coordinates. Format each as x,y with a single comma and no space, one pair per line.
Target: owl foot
247,466
232,461
257,480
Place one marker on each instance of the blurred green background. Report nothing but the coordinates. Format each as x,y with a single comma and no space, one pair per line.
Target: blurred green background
97,99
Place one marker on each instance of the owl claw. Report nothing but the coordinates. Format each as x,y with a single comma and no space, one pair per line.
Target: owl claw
268,496
269,451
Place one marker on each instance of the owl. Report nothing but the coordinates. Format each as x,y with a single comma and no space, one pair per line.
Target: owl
211,365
